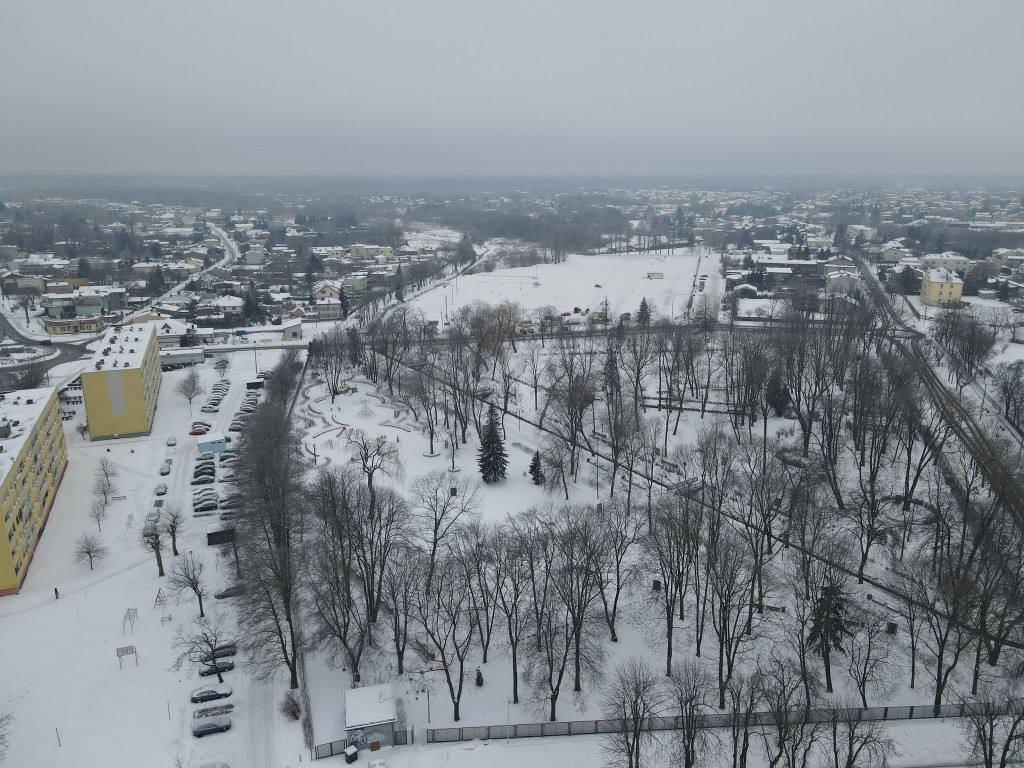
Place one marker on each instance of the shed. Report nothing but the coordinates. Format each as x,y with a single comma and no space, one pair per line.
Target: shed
370,715
214,442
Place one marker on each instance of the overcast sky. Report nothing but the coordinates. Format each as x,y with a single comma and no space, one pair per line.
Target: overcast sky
512,88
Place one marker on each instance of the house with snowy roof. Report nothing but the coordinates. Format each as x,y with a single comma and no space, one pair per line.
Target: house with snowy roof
940,286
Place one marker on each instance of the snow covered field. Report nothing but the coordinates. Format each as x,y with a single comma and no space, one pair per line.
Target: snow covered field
585,282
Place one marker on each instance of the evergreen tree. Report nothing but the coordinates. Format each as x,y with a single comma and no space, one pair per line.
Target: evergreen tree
465,252
492,458
643,315
537,469
828,626
343,298
399,285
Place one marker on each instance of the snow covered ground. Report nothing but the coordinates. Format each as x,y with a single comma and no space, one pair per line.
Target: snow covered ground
75,707
585,282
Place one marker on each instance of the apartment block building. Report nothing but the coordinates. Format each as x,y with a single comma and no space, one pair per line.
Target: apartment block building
33,457
122,382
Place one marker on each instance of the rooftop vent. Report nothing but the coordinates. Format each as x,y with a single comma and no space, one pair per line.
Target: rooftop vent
29,401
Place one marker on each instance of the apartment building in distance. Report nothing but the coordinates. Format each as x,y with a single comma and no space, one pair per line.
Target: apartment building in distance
122,381
33,457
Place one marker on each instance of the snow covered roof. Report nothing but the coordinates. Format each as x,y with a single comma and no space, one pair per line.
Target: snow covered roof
24,406
372,705
942,276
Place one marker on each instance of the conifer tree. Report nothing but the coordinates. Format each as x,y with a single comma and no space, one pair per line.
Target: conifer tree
828,626
643,315
492,458
537,469
399,285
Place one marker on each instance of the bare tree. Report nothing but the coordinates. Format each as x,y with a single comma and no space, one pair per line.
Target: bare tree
187,576
189,387
449,622
336,596
578,544
513,592
152,540
871,666
993,724
173,518
403,578
6,723
441,504
107,469
631,697
849,742
196,643
98,513
690,689
269,532
89,548
621,528
669,551
102,489
328,354
730,583
375,454
789,737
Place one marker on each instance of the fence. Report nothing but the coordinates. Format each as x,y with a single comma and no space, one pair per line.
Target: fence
714,720
332,748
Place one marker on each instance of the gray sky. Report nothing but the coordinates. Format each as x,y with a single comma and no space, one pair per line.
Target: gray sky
486,88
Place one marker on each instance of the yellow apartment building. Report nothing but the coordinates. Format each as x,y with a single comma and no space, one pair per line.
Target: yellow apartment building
33,456
122,381
940,286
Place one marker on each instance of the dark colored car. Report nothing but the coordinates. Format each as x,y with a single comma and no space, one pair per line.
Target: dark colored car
232,591
219,667
204,726
222,650
210,693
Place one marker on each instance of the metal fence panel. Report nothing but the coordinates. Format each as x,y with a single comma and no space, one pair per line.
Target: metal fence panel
555,729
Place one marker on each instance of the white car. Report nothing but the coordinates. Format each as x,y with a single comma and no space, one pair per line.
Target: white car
172,440
161,489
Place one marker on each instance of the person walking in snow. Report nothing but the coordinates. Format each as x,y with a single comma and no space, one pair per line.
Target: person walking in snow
56,594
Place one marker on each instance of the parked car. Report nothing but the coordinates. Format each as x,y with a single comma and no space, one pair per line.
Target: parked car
198,431
165,468
204,726
161,489
218,668
231,591
172,440
203,480
220,651
210,693
205,505
205,455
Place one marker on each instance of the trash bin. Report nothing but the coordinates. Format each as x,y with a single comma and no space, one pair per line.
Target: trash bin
351,753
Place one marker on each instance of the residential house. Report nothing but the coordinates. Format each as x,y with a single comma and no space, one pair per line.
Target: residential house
940,286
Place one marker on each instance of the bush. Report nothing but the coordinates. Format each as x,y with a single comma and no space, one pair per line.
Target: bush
290,706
